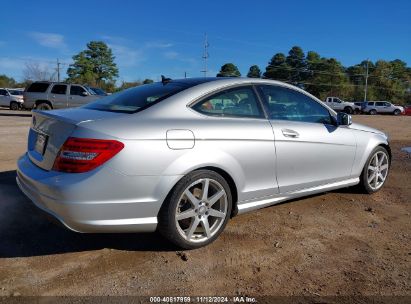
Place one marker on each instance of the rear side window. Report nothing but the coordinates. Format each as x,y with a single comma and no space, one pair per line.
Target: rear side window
3,92
288,104
76,90
38,87
138,98
59,89
370,103
379,104
238,102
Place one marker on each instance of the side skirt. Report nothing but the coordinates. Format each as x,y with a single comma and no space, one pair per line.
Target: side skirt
254,205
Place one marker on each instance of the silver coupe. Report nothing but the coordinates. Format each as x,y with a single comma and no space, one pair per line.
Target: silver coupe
184,156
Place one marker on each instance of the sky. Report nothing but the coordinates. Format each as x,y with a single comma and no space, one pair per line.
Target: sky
151,38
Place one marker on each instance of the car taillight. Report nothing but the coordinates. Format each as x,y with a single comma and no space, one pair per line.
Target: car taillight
84,154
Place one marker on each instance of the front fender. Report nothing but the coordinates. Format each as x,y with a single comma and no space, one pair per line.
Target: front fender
366,143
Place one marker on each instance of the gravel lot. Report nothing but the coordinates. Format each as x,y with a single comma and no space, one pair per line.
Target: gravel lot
338,243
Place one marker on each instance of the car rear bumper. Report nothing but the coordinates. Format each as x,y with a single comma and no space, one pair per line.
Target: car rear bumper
103,201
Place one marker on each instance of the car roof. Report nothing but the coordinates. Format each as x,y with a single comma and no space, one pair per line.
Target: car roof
222,81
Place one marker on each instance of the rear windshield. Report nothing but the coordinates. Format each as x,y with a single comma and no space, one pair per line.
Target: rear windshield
136,99
38,87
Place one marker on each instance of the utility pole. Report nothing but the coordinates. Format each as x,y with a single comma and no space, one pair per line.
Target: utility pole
58,70
205,55
366,83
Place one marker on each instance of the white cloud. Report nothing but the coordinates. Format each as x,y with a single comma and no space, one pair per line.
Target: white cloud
158,45
125,56
171,55
50,40
10,63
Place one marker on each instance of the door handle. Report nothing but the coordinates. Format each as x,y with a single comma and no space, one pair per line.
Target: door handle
290,133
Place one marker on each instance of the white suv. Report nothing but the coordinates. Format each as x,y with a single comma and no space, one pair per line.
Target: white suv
12,98
381,107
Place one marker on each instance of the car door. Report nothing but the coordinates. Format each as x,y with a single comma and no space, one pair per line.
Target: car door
330,102
235,128
388,107
58,96
4,98
79,96
311,149
338,105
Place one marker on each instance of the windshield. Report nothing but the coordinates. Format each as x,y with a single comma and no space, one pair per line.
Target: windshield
136,99
99,91
15,92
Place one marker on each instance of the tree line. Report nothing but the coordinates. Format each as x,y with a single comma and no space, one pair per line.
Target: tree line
322,76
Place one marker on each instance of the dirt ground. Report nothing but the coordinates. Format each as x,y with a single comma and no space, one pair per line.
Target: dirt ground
337,243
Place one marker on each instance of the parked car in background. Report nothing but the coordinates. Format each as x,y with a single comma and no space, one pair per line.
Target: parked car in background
337,104
359,105
12,98
97,91
184,156
381,107
407,110
55,95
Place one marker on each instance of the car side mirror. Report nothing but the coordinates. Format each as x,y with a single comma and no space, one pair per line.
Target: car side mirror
344,119
85,94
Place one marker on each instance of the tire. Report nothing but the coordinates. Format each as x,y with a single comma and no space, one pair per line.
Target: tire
397,112
372,186
43,106
14,106
196,210
373,112
348,110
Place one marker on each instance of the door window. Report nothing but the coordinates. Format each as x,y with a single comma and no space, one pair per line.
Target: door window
379,104
59,89
288,104
77,90
238,102
3,92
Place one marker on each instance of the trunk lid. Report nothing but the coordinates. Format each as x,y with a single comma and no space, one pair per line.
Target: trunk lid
50,129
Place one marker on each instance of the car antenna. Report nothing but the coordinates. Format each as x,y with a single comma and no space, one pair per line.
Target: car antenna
165,80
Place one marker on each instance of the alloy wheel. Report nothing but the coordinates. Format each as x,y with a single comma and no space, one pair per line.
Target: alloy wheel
201,210
377,170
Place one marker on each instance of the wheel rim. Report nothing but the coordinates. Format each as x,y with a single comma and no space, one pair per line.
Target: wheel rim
201,210
377,170
14,106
